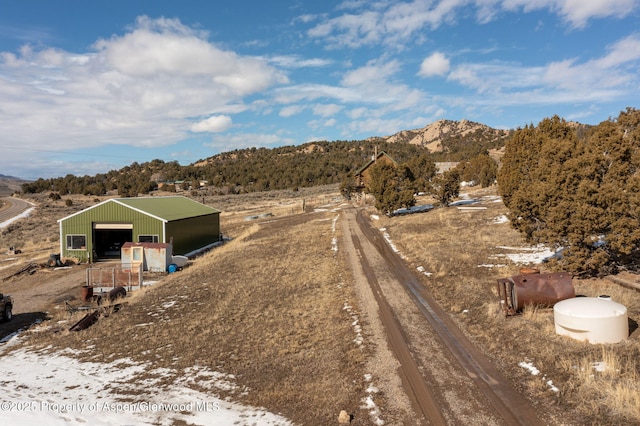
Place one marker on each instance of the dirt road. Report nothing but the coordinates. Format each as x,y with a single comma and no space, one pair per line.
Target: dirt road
443,378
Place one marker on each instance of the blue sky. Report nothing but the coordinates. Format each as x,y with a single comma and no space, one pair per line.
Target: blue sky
91,86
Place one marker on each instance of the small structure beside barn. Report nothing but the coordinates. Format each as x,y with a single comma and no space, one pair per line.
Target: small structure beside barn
100,232
152,257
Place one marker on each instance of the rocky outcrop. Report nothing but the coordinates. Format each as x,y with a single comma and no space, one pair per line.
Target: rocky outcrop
433,135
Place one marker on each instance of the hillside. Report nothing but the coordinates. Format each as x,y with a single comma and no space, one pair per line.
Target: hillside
288,167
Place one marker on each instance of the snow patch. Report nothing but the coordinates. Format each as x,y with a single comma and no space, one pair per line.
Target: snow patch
334,240
370,405
535,372
535,254
168,305
57,389
423,271
387,238
22,215
500,219
529,366
359,340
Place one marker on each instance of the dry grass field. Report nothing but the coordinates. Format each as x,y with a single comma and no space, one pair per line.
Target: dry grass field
269,308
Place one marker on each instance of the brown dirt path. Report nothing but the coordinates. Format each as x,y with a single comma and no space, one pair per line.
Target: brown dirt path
443,376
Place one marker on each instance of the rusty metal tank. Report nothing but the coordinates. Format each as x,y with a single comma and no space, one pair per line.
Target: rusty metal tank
86,293
538,289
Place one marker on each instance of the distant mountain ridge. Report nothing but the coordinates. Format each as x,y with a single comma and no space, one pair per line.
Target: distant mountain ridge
435,135
5,177
9,185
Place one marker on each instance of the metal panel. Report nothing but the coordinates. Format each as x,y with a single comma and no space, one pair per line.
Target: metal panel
191,234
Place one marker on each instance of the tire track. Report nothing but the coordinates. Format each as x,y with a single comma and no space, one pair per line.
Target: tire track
419,392
507,402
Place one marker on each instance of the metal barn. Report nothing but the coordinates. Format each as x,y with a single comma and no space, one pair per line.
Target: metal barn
100,231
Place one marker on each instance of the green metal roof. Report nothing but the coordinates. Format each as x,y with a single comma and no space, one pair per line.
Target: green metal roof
167,208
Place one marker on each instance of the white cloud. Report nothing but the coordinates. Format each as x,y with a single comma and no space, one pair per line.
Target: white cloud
576,12
326,110
296,61
376,83
571,81
350,30
291,110
374,71
317,124
310,92
141,88
496,77
357,113
615,70
248,140
306,18
391,23
377,126
434,65
623,52
216,123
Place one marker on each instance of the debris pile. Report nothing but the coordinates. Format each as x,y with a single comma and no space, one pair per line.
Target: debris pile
95,312
28,269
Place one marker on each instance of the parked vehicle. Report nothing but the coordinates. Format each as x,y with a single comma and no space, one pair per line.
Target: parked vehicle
6,307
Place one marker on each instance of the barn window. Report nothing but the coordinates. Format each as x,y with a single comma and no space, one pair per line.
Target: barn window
76,242
147,238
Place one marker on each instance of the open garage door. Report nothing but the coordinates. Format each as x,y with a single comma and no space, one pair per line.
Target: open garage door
108,238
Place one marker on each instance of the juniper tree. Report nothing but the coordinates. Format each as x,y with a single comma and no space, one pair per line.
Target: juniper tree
481,169
581,194
446,187
391,188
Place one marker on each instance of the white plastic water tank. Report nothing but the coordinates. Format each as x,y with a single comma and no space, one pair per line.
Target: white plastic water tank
591,319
